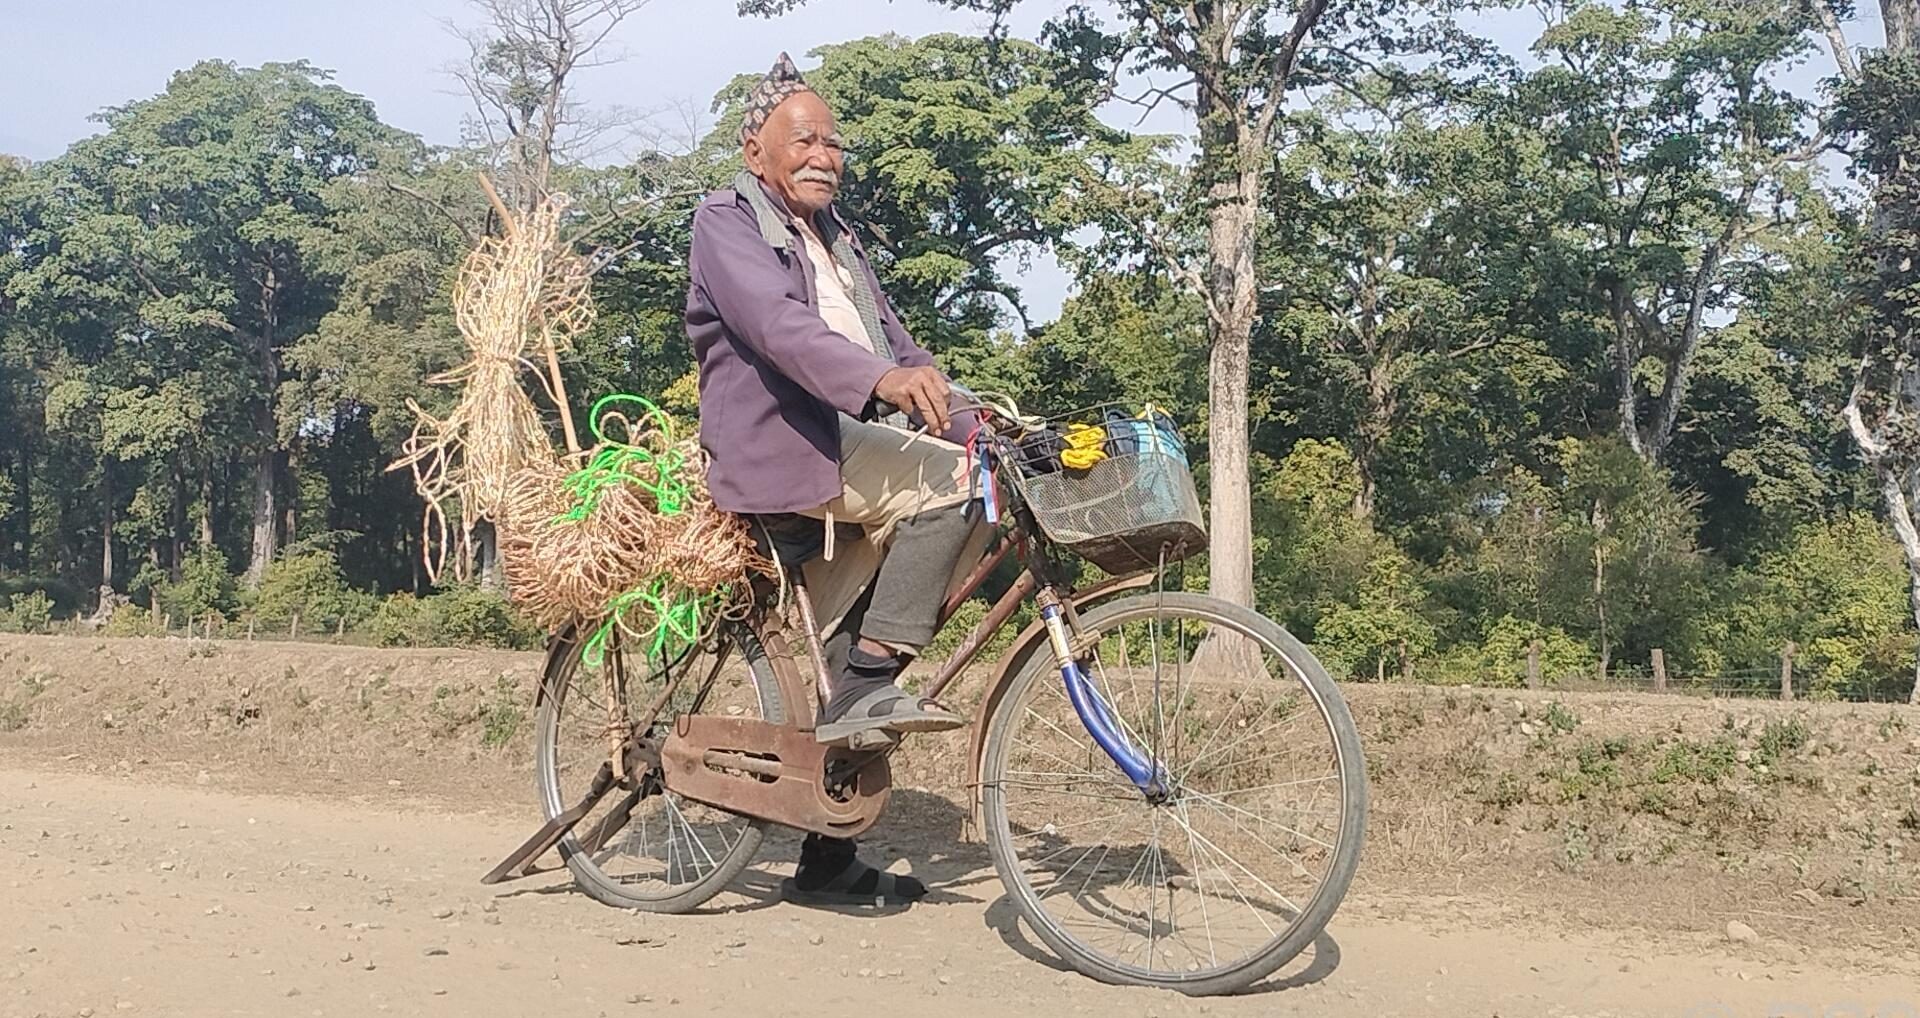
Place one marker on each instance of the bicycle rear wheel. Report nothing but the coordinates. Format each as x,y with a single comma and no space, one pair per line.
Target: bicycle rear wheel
642,847
1237,864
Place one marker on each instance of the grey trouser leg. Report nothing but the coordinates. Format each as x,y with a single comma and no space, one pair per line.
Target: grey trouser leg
913,579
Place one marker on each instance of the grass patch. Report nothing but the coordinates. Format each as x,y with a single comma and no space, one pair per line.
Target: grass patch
502,716
1778,738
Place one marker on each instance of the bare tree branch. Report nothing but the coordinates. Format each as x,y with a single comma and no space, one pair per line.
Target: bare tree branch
1283,62
1837,40
464,229
1151,99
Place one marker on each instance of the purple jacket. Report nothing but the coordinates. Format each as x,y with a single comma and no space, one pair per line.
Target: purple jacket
773,377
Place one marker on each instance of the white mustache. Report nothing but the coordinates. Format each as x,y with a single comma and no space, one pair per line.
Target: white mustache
810,175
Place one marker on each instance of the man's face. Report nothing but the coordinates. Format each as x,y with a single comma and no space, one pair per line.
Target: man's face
797,152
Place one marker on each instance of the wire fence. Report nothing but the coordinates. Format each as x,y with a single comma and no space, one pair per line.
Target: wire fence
1788,679
1773,682
299,628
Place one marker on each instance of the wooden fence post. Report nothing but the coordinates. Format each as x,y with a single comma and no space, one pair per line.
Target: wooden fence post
1659,670
209,625
294,632
1786,671
249,627
155,609
341,629
1533,665
167,626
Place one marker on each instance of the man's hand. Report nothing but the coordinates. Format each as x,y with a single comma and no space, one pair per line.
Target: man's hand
918,390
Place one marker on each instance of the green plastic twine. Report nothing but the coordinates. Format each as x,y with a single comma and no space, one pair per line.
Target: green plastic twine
676,613
615,462
676,621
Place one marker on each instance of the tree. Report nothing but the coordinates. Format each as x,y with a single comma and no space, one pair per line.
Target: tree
390,328
1762,439
1676,150
519,73
1836,588
191,222
1406,228
1880,112
1236,62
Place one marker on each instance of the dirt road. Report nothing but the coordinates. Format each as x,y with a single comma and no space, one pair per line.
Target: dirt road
131,896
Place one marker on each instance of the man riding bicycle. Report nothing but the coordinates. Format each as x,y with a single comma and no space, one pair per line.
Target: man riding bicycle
812,399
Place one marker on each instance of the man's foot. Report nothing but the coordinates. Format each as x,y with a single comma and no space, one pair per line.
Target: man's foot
867,710
830,874
887,709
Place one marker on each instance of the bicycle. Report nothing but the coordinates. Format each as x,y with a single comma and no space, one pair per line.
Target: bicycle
1166,805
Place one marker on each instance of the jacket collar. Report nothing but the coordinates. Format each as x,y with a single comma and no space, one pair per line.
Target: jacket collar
776,220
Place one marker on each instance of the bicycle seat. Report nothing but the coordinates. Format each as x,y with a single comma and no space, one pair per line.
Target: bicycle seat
793,539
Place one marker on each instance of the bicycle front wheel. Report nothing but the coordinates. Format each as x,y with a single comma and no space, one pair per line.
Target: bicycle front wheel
1235,862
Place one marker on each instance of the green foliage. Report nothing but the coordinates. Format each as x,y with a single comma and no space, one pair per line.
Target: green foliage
205,587
1838,588
308,584
1703,763
131,620
397,622
1313,553
1383,623
1778,738
503,714
31,612
1500,659
458,616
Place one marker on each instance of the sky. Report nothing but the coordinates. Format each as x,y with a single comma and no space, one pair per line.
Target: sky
61,61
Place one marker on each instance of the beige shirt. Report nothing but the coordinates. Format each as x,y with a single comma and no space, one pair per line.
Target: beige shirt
833,285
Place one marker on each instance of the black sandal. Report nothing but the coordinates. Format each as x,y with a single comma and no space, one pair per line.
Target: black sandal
889,709
859,885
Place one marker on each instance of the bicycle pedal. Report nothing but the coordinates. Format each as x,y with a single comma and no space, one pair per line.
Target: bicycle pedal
872,738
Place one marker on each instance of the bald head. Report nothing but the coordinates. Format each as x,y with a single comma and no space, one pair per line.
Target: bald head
797,153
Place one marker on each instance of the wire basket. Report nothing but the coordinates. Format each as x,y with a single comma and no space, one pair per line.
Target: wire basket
1131,510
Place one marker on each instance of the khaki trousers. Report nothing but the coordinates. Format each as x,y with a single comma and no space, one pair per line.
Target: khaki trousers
888,475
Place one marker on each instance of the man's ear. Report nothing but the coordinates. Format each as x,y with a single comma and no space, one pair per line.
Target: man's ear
754,155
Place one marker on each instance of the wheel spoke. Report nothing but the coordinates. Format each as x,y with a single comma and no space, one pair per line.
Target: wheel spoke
669,849
1254,830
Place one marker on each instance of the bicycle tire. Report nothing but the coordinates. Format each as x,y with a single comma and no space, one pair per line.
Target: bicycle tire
1313,917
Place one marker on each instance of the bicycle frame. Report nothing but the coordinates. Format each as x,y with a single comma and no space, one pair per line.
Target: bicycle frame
1056,617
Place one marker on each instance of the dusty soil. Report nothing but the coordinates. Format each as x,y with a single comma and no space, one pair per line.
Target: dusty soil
277,829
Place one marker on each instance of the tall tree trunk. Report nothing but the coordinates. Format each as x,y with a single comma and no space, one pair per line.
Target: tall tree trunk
206,505
1233,296
22,550
266,517
486,543
106,532
1626,354
418,573
290,513
267,469
176,540
1382,405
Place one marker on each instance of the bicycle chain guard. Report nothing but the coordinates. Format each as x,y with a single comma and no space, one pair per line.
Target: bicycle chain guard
775,773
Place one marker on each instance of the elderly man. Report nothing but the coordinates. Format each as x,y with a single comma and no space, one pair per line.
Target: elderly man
811,397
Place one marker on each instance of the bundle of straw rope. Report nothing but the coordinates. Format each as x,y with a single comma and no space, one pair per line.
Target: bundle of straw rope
631,539
622,538
514,291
